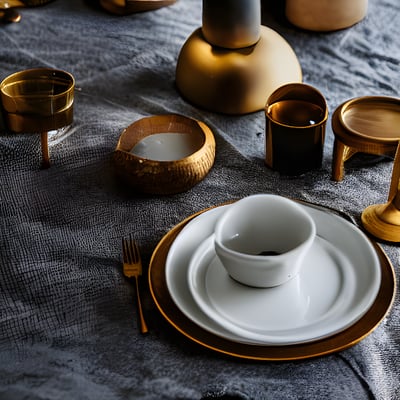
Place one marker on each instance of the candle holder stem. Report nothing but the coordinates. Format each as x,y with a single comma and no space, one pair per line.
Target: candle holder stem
383,220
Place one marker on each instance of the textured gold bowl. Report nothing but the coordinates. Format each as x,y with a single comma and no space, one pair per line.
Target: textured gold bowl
156,176
325,15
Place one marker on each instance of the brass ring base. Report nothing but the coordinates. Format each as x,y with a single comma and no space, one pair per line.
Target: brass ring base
373,220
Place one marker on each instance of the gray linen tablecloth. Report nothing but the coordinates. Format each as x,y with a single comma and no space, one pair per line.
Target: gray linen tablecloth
67,315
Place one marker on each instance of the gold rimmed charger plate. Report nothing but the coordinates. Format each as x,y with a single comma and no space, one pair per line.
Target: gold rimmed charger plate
334,343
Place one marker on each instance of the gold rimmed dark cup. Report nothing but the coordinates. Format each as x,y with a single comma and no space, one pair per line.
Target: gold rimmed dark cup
296,116
38,101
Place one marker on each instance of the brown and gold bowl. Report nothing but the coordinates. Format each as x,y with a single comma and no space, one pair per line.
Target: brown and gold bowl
165,154
124,7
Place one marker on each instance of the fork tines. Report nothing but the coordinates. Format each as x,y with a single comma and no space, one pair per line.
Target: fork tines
132,267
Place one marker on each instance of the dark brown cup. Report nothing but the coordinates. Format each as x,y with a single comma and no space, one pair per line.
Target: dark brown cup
296,116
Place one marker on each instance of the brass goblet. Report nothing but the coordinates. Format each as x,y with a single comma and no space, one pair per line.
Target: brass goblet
232,63
38,101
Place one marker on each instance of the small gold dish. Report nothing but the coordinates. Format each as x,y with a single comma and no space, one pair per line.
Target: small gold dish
165,154
366,124
125,7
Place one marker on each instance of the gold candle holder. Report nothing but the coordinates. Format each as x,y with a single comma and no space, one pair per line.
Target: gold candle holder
383,220
232,63
38,101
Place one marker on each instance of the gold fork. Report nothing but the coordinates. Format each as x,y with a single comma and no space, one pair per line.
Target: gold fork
132,267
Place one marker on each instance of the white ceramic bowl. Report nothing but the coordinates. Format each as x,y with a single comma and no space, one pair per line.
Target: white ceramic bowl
262,239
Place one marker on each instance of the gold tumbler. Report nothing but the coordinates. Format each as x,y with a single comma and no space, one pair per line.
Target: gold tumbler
38,101
296,116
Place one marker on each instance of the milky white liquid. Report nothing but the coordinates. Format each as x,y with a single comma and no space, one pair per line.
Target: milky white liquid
167,146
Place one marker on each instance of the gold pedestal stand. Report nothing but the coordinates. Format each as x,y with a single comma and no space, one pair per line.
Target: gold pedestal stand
365,124
383,220
232,64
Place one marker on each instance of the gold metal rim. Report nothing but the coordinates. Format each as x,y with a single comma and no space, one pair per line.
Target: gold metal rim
31,110
286,91
338,342
41,74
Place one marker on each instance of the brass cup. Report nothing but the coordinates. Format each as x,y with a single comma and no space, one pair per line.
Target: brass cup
296,116
37,100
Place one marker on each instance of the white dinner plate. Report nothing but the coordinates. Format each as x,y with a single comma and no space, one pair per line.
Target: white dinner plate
330,301
317,303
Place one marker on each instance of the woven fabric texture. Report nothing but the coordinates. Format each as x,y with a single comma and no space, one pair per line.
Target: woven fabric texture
67,315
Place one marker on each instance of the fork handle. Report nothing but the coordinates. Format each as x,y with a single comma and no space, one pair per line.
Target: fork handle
142,322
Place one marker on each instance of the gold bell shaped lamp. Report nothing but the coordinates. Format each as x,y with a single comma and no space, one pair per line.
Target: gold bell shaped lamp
383,220
233,63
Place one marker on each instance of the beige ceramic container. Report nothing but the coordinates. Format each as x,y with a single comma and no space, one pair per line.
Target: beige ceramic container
325,15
